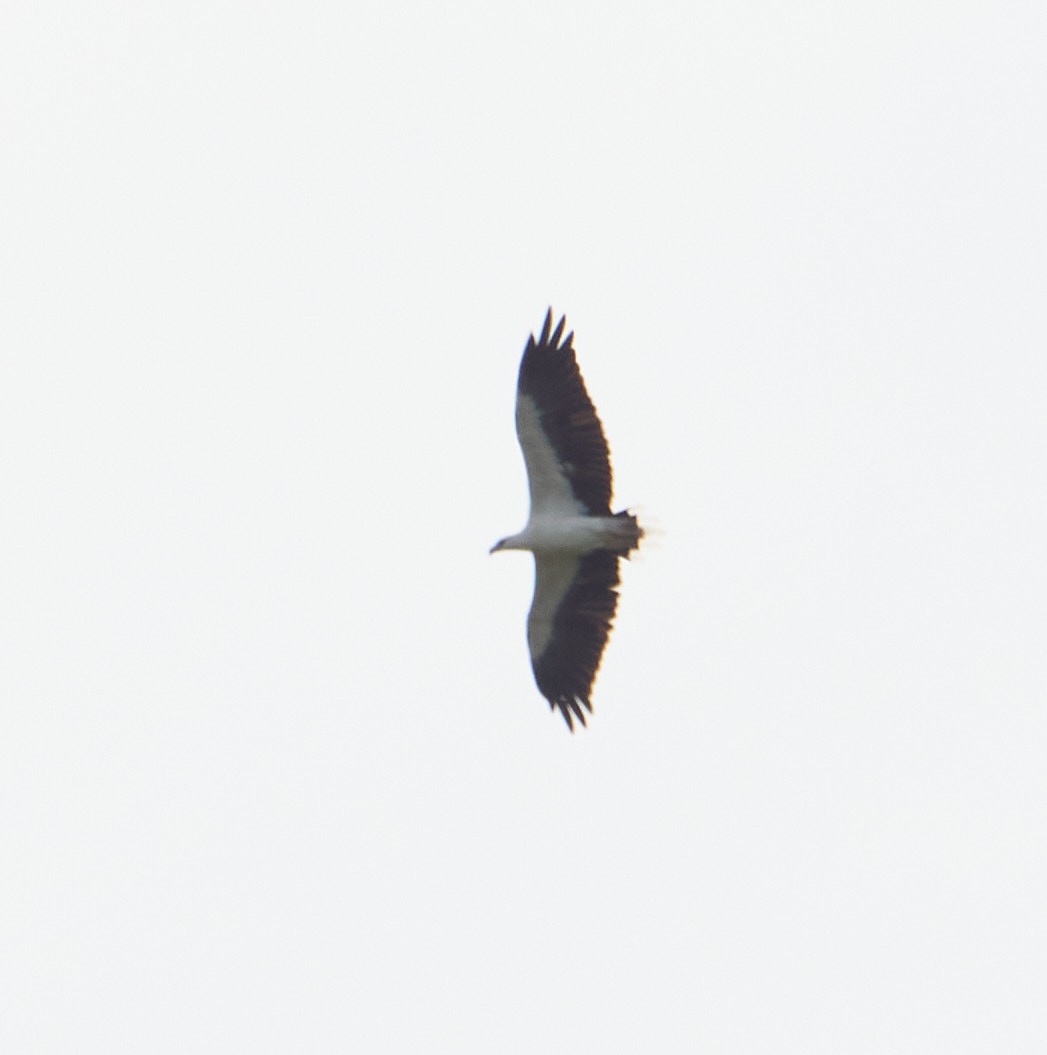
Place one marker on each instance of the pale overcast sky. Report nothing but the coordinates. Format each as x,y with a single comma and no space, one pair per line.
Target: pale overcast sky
274,773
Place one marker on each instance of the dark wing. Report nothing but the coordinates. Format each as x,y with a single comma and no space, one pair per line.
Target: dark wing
574,604
551,395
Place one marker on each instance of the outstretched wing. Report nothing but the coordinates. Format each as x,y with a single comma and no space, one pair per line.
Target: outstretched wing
574,604
564,448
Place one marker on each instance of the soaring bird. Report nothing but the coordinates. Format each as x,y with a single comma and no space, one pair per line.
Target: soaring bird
575,538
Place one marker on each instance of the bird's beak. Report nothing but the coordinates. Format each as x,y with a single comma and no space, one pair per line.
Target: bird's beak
494,549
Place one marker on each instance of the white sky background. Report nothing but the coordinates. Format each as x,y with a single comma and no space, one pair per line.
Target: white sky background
274,774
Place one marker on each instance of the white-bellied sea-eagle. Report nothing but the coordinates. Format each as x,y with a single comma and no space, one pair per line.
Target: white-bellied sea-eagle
575,538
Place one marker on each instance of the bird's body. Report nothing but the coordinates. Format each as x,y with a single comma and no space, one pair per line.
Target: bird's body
572,534
575,538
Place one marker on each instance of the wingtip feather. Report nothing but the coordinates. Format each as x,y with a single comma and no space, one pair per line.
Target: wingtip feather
547,326
571,708
558,332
